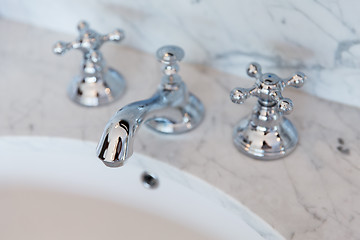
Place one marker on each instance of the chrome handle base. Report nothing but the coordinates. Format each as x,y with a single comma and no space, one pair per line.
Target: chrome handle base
96,84
266,134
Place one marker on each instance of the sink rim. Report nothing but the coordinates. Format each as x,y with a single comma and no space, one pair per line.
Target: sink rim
139,161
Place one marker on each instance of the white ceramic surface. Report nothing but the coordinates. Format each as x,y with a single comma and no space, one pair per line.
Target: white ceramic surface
318,37
71,166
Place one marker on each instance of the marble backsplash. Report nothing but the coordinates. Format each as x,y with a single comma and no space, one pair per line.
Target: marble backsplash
319,37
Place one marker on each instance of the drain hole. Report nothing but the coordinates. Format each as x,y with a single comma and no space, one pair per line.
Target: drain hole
149,180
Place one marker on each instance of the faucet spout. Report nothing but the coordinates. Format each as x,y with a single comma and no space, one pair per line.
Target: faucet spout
116,143
173,109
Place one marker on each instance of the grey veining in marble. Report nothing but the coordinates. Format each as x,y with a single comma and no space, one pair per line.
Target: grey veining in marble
314,193
319,37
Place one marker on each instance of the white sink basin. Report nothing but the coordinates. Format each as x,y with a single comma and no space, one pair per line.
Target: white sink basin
57,189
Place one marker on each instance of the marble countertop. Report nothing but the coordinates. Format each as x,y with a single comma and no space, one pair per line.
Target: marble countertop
312,194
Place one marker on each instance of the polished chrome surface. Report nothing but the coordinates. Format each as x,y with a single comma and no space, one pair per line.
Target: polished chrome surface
172,109
97,84
266,134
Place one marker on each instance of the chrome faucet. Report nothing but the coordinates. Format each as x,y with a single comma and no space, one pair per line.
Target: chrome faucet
97,84
172,109
266,134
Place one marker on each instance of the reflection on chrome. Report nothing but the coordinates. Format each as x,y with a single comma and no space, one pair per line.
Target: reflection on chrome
266,134
172,109
97,84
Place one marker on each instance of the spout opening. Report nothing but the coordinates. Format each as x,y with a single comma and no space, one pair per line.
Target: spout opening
115,164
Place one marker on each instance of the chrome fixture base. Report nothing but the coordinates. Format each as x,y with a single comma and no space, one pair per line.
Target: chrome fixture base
266,134
97,84
179,119
262,140
105,89
172,109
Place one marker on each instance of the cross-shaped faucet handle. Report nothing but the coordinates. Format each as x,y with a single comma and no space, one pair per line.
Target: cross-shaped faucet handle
268,88
89,40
